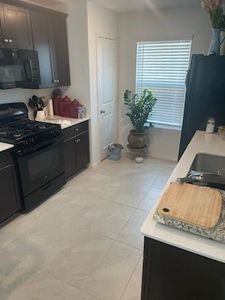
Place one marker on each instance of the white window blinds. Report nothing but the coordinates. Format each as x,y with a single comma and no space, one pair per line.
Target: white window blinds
162,68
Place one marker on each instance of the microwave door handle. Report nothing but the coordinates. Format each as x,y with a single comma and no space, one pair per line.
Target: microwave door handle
28,70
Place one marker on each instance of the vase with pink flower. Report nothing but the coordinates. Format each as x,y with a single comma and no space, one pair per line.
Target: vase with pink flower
215,10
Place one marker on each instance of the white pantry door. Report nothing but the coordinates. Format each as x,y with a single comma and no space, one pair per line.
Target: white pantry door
107,93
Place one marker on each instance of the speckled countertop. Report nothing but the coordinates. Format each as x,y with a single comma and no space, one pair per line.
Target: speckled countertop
201,143
5,146
65,122
217,233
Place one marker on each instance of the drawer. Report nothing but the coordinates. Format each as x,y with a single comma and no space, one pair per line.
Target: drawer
75,130
6,159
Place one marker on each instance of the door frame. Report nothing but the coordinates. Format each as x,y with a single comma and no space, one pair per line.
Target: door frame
98,37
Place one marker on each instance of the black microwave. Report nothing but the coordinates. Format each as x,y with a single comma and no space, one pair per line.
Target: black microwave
19,68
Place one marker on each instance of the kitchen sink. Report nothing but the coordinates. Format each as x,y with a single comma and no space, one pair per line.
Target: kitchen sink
208,163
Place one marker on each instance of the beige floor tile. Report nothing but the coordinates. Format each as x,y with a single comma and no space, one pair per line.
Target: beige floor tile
149,199
133,289
44,287
113,273
66,249
131,234
74,265
160,181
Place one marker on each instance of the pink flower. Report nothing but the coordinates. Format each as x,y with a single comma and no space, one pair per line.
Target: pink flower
218,3
205,5
215,3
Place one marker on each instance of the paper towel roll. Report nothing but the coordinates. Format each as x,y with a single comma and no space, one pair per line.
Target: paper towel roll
50,108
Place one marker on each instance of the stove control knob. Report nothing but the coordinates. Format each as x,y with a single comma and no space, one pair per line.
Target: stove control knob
19,152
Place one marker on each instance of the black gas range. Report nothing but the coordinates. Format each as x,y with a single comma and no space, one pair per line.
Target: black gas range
38,151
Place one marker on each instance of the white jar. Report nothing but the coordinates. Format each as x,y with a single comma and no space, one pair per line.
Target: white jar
40,115
210,125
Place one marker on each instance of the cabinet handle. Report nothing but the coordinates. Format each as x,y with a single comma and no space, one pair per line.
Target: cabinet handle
6,40
4,168
10,41
77,141
77,129
58,81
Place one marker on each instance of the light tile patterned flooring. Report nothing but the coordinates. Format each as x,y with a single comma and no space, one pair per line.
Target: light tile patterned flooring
84,243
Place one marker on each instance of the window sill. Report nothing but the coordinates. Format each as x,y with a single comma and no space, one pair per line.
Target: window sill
162,126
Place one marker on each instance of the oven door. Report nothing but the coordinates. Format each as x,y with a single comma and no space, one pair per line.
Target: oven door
37,169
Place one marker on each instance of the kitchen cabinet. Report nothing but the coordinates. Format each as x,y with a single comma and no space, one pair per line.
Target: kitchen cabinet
9,195
27,26
170,273
15,27
41,38
59,50
76,148
50,40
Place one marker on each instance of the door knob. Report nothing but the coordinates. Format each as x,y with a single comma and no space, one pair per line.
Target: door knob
102,111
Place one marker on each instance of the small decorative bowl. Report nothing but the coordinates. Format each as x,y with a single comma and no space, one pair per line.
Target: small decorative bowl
139,160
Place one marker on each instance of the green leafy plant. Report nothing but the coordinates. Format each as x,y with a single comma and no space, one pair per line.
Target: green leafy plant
139,110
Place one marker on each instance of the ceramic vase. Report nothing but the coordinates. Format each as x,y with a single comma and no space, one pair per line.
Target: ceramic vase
214,48
222,43
40,116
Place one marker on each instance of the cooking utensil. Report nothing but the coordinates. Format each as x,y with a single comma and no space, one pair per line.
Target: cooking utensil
206,179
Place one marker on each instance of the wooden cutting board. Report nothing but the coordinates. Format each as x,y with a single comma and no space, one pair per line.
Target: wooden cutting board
191,204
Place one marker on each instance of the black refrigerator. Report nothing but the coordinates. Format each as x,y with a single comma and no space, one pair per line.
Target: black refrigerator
205,96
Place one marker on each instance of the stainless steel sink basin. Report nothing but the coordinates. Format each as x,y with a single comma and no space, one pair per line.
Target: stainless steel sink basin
208,163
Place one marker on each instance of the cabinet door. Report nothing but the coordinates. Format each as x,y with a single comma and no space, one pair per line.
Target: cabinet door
82,150
17,27
59,47
70,157
9,200
1,19
41,38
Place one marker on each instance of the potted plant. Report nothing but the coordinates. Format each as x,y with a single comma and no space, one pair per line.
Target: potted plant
138,112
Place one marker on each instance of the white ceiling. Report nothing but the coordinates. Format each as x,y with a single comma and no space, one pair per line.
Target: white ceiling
128,5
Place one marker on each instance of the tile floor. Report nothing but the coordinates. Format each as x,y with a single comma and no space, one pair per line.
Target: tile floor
84,243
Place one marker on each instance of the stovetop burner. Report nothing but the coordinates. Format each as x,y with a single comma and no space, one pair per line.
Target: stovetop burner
14,131
27,136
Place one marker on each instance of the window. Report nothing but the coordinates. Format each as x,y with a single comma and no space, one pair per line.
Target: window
162,67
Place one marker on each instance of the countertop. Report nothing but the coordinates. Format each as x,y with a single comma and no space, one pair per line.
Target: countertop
201,143
65,122
5,146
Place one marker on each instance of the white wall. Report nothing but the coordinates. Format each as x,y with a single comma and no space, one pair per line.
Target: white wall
168,24
101,22
77,26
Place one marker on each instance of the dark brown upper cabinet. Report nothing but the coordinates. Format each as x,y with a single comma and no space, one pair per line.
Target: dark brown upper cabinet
16,27
59,50
27,26
41,38
50,40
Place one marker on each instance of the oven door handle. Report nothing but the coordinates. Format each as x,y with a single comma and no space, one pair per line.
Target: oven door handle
43,146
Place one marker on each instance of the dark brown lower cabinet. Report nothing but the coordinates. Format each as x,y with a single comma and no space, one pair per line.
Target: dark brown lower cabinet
76,148
9,195
170,273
